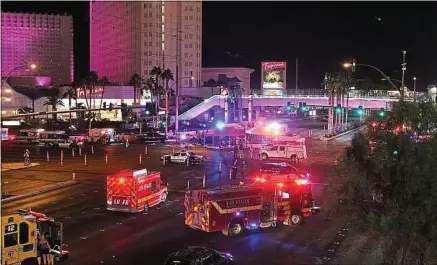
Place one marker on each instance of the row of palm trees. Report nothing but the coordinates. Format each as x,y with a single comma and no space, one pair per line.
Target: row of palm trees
157,83
338,86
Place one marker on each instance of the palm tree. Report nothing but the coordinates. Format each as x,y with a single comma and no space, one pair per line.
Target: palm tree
33,93
212,84
166,76
104,82
54,100
25,110
91,81
338,85
70,93
136,80
148,85
155,74
79,106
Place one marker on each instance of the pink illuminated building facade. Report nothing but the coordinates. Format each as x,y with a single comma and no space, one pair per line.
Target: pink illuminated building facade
133,37
41,39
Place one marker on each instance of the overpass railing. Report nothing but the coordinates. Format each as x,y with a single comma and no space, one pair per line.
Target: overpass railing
370,94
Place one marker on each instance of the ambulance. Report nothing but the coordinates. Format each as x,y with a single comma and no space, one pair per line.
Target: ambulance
134,190
98,135
233,210
19,238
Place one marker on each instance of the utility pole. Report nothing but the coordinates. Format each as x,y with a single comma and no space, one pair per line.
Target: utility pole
178,27
297,74
404,68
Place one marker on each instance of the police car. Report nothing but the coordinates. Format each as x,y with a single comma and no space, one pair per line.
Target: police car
182,157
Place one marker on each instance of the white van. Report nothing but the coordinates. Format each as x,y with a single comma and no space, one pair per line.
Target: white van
294,151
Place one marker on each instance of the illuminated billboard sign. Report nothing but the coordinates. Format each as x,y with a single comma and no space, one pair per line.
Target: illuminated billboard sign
273,75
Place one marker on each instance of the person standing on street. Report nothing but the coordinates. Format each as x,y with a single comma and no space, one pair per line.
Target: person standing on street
243,169
127,142
234,172
26,157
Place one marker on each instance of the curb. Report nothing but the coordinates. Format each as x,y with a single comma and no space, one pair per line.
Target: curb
24,167
341,134
51,188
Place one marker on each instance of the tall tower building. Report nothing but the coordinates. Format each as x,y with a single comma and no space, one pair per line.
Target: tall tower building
133,37
41,39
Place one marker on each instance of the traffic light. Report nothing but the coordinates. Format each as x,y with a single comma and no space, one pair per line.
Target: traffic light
289,107
110,106
104,105
149,109
381,112
338,108
360,110
304,106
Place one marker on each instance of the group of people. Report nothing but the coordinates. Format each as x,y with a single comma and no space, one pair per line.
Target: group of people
45,250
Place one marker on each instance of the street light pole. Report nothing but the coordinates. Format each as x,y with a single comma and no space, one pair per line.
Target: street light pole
414,87
347,65
22,67
404,68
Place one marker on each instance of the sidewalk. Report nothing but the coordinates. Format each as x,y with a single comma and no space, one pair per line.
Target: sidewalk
17,165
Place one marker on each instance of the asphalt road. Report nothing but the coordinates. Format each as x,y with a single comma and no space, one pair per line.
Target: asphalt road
96,236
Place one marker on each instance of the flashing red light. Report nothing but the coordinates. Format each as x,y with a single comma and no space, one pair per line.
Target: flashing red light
281,185
374,124
260,180
301,181
121,180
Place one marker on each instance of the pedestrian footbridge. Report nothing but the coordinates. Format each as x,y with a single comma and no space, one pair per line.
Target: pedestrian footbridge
366,101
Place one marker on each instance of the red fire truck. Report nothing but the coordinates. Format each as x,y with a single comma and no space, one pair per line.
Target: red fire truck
232,210
134,190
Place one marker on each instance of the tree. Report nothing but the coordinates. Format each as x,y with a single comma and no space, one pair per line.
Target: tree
337,84
25,110
80,115
103,82
387,189
136,81
166,76
70,93
54,100
33,93
91,81
212,84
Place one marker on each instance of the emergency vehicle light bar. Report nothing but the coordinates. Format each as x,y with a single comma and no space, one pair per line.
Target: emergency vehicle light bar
140,172
301,181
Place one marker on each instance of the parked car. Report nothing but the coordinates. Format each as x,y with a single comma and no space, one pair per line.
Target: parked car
152,137
198,255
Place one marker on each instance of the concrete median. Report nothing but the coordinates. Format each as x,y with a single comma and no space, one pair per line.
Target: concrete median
38,192
16,165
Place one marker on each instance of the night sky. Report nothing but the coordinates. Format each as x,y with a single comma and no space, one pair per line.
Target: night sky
320,34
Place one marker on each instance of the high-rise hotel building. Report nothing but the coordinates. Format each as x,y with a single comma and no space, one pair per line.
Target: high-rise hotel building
41,39
133,37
